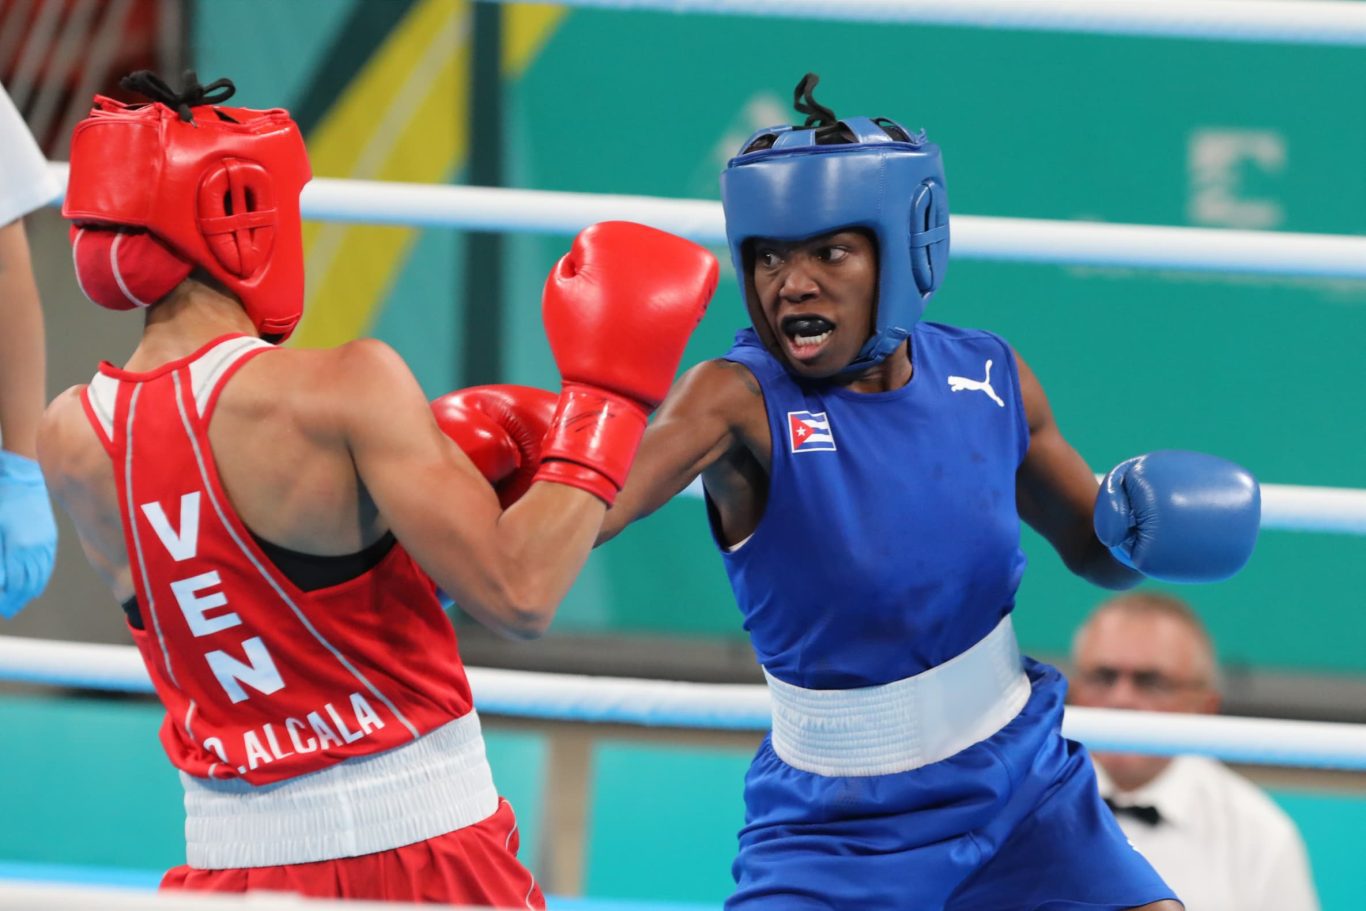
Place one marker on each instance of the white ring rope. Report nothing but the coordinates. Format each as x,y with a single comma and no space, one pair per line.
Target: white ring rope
20,895
1297,22
1298,508
974,236
743,707
1285,507
1292,507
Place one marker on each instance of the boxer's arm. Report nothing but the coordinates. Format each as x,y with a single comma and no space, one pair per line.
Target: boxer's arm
28,531
80,478
21,344
1056,493
509,570
694,428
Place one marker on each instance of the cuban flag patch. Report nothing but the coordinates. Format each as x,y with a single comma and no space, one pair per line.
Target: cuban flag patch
809,431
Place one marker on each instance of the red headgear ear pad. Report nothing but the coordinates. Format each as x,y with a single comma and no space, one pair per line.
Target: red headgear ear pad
237,215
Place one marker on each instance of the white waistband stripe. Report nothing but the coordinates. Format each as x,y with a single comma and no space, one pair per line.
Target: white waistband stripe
906,724
434,785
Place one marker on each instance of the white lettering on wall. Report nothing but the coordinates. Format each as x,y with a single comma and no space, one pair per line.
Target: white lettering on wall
1220,162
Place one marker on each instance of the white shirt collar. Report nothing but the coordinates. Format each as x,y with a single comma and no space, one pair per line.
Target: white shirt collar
1173,792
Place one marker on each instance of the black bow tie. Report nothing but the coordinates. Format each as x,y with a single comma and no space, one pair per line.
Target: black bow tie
1148,815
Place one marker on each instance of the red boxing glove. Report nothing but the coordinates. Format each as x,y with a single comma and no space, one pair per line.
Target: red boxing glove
500,428
618,310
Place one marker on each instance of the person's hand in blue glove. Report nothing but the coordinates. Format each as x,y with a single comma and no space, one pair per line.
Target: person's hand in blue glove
1179,516
28,533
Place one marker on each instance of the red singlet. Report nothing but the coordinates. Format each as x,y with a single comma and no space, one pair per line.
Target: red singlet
308,726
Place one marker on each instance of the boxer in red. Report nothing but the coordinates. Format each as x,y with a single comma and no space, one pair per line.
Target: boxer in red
277,522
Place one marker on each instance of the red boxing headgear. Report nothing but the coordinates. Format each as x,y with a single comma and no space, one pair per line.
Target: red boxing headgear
217,186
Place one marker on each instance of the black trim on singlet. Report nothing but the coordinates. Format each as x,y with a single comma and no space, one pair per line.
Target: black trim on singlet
130,607
308,572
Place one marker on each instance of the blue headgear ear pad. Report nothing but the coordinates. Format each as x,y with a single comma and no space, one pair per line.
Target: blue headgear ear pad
797,184
929,236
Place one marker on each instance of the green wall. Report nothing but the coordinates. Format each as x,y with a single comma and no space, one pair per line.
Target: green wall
92,787
1126,130
1032,125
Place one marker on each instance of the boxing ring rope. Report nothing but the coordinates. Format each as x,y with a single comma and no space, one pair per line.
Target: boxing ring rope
1329,22
743,707
738,707
40,896
974,236
1295,507
1285,507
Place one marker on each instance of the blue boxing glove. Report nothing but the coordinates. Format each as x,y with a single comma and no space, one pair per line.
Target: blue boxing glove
28,533
1179,516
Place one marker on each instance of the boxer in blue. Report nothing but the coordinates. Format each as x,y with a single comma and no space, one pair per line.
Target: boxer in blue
866,474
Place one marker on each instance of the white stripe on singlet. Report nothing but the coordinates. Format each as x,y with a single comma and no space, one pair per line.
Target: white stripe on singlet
151,604
207,370
267,576
103,393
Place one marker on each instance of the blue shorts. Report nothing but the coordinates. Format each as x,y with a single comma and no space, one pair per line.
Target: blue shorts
1014,823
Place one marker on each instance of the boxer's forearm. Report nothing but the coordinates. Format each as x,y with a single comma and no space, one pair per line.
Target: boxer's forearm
22,363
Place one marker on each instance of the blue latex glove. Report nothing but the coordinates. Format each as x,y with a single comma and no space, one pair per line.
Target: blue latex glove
28,533
1179,516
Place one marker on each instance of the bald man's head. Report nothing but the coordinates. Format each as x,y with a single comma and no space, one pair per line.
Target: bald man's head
1145,651
1182,634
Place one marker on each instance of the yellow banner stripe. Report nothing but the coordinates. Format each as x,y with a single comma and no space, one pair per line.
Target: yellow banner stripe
403,118
526,28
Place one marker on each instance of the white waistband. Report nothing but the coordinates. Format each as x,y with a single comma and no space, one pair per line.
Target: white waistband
906,724
435,784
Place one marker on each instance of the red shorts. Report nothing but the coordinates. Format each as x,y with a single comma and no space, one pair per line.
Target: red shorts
476,865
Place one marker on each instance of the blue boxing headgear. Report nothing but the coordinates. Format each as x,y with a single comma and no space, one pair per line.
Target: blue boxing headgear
791,183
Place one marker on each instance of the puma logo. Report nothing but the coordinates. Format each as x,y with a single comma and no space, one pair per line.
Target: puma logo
960,383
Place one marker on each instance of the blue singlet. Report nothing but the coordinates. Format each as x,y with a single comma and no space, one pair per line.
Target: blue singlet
889,544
